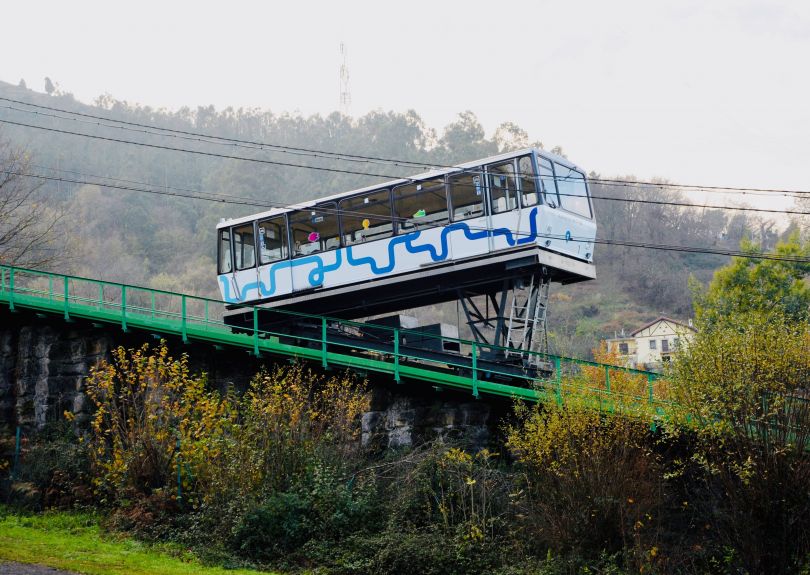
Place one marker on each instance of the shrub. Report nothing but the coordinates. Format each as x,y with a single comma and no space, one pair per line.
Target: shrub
593,481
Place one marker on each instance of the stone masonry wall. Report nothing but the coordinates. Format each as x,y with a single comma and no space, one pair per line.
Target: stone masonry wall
44,362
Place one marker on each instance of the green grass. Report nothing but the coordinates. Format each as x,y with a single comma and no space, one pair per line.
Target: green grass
74,541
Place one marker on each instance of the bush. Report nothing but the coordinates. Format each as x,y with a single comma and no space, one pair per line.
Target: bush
593,482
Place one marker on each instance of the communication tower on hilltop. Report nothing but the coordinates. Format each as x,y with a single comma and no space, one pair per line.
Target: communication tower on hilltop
345,95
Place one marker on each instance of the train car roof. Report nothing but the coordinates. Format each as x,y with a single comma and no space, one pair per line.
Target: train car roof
391,183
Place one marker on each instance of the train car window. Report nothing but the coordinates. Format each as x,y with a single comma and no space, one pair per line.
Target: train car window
467,194
573,191
502,187
315,230
366,218
225,252
547,183
273,240
527,182
421,204
244,246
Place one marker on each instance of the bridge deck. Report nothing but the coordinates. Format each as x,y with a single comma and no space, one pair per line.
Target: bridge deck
201,319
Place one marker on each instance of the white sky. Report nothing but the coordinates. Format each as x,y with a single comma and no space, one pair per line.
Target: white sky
696,91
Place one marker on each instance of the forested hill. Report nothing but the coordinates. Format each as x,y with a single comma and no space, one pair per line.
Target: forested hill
167,242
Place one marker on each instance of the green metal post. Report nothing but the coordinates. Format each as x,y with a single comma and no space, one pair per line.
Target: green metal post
558,379
323,341
152,302
396,355
124,308
100,296
650,380
475,369
16,454
183,318
11,290
67,298
50,287
607,378
256,331
206,314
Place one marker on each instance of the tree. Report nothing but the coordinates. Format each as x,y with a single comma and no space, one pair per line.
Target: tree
509,136
751,284
22,84
741,389
27,223
49,86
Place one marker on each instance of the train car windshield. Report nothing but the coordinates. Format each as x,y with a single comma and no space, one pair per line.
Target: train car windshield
573,191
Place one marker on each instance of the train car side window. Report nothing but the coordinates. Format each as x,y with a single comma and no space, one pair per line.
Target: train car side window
225,252
315,230
502,187
421,204
547,183
573,191
244,246
467,194
366,218
273,240
528,183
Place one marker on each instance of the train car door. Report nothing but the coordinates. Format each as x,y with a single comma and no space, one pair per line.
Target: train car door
316,255
275,276
470,235
244,279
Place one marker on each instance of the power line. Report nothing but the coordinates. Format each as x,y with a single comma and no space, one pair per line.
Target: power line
232,141
325,154
515,233
369,174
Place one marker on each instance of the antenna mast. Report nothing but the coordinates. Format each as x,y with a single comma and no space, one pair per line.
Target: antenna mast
345,95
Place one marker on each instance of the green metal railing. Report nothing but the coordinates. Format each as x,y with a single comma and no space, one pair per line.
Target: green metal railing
193,318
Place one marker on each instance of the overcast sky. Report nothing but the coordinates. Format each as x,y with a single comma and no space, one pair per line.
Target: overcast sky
703,92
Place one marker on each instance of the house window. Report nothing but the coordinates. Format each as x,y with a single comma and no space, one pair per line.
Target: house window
652,344
624,349
664,345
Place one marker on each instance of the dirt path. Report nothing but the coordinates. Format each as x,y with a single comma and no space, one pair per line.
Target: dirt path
11,568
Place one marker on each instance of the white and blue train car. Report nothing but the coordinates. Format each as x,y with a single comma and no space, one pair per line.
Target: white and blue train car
414,241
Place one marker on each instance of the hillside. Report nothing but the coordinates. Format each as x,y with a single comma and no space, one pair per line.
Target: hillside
166,241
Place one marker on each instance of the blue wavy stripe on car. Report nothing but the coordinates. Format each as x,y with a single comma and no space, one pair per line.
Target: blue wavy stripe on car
318,274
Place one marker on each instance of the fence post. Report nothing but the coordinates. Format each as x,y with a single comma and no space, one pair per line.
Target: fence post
11,289
475,369
67,297
650,380
396,355
124,308
256,331
323,341
607,378
182,316
558,379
